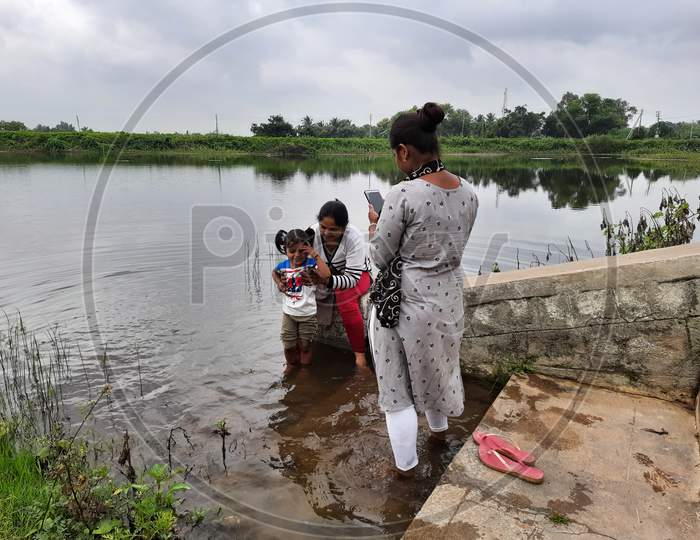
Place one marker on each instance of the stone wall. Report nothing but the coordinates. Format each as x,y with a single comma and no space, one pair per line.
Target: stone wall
334,334
630,322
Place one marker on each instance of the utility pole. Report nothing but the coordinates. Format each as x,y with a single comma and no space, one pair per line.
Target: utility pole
658,120
216,118
463,114
505,102
692,125
77,121
370,125
637,123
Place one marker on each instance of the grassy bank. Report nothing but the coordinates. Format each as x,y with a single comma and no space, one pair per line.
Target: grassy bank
22,487
58,482
214,146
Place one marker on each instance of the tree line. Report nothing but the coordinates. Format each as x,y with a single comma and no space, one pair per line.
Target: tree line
575,116
63,127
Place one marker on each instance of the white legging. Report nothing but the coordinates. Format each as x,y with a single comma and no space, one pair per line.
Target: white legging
403,433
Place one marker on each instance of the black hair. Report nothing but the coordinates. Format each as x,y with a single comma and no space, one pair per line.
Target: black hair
336,210
295,236
418,129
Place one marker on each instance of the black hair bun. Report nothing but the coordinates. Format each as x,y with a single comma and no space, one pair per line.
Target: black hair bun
430,115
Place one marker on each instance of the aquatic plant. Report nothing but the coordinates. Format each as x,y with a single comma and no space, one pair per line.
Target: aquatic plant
222,432
31,401
673,224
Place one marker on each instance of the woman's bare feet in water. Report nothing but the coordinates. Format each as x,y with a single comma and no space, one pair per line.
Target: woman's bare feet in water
361,360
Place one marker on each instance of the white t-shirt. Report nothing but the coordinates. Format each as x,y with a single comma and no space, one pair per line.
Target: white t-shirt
300,300
349,260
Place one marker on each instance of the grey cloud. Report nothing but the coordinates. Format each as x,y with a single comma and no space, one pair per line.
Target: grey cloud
99,59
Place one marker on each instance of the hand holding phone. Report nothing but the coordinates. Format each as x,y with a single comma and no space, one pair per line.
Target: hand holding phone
374,197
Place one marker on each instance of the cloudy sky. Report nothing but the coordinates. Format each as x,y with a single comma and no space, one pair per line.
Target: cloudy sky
100,58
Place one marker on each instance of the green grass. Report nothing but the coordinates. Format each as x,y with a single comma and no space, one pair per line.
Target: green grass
23,490
510,365
213,145
558,519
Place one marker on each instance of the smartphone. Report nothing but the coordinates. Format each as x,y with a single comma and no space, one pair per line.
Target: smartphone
375,199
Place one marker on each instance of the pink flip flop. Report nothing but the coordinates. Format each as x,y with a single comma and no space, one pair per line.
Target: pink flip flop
501,445
494,460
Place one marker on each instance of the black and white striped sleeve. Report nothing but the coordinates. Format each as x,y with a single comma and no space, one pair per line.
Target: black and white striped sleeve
355,262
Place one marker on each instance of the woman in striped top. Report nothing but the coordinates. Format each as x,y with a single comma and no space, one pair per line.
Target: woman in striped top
342,247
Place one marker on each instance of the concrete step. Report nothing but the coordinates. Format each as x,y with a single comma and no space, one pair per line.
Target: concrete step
616,466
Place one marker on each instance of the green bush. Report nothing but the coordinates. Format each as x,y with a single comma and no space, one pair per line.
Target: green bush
55,145
61,142
603,144
673,224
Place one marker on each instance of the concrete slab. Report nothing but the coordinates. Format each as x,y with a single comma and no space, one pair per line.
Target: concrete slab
616,466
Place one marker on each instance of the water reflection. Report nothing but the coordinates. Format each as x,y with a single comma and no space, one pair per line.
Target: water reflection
317,435
565,181
333,442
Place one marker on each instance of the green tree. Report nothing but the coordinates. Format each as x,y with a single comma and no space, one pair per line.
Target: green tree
457,121
663,129
306,128
12,125
63,126
590,114
519,123
276,126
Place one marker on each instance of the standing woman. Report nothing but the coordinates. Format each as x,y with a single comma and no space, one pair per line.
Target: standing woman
425,223
343,249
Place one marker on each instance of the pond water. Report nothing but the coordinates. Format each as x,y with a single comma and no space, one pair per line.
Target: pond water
309,452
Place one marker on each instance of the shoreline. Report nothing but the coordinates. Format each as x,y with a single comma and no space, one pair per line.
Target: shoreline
221,155
216,146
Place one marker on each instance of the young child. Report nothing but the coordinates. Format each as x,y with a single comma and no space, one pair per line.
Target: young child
299,310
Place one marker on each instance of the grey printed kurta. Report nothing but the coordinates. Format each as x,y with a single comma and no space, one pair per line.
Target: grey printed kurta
417,362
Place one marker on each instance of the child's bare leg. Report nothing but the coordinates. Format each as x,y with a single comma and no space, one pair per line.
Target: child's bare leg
291,354
305,352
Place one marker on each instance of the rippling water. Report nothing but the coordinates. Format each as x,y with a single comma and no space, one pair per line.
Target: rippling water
306,451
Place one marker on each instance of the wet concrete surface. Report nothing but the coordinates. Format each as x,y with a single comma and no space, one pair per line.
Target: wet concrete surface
616,466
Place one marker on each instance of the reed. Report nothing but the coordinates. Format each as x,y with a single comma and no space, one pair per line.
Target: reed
31,402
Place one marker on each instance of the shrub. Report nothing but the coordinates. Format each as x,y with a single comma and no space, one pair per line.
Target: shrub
55,145
672,225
